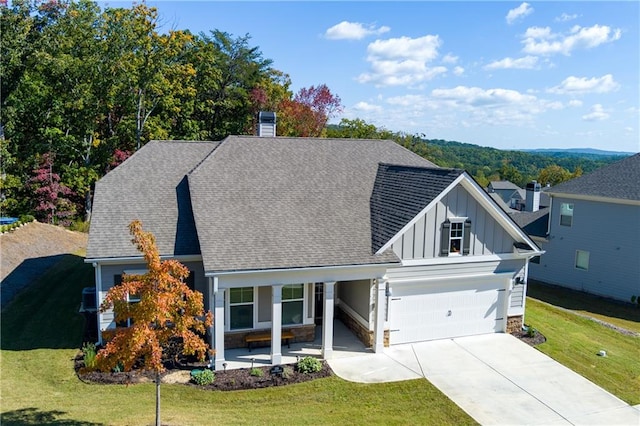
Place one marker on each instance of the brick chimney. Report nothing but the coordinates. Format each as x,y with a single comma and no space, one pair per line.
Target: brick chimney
267,124
532,198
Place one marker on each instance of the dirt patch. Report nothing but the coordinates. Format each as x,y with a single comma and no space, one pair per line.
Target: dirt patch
29,251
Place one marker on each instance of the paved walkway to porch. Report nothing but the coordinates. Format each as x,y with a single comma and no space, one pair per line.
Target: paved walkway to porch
345,344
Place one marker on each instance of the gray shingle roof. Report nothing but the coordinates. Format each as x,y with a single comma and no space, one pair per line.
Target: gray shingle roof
620,180
400,193
150,186
533,223
503,185
262,203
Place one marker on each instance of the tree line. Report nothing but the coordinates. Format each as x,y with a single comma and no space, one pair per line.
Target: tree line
84,87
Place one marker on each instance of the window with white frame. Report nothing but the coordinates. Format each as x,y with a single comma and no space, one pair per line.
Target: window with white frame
241,303
582,260
292,304
456,237
566,214
131,299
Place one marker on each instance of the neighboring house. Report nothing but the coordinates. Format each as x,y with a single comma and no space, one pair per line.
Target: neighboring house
591,242
290,233
509,196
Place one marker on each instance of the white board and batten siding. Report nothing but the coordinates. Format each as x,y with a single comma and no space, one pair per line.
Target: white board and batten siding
422,240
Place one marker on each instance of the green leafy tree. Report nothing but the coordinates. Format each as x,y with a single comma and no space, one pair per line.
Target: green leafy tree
553,175
167,309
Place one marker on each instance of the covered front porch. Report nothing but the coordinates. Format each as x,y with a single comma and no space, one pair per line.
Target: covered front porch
285,303
345,344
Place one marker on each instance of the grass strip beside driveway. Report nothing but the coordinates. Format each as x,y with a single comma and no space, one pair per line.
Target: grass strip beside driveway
42,332
575,342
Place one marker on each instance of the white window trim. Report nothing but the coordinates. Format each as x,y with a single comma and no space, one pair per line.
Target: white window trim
228,305
456,220
564,215
303,300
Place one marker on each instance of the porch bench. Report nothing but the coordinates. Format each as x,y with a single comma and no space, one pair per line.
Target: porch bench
250,339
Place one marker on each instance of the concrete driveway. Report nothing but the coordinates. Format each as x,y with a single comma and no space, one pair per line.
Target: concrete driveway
497,380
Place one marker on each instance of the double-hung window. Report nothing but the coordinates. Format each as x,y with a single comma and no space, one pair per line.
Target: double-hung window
292,304
455,237
241,303
131,300
566,214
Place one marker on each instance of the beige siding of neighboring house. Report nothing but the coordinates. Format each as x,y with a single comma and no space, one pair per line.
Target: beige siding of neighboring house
422,240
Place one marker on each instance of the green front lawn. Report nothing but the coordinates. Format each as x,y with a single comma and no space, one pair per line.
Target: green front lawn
41,334
575,342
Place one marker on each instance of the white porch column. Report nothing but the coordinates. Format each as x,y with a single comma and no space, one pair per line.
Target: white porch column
378,342
276,324
327,321
218,318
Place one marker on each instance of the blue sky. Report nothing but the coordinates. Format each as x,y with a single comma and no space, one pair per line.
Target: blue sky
511,75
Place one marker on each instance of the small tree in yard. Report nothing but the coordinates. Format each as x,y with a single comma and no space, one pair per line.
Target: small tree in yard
167,309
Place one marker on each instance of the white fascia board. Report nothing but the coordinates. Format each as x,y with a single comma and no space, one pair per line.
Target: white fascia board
483,276
139,259
481,197
419,215
308,269
496,212
469,259
595,198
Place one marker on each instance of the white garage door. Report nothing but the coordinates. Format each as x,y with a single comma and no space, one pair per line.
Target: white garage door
428,311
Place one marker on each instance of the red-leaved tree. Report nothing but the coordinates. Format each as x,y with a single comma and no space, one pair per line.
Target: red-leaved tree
307,113
167,309
52,206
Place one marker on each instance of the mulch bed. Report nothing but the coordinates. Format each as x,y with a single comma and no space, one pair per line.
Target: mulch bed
237,379
537,338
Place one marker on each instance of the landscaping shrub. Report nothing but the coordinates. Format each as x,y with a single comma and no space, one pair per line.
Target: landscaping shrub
256,372
309,364
26,218
89,355
287,372
531,332
80,226
203,377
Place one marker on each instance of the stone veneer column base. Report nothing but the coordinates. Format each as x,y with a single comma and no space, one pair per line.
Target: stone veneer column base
514,324
361,332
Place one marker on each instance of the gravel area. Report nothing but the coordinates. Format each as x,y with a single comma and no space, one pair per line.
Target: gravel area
29,251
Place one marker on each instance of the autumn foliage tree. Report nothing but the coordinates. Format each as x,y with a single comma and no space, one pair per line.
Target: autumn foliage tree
167,309
52,204
306,115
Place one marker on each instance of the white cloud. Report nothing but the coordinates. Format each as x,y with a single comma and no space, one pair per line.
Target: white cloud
597,114
527,62
541,41
449,59
565,17
353,31
475,106
575,103
402,61
458,70
367,107
519,12
581,85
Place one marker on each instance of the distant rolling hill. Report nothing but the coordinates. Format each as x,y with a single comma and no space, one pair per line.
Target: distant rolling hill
577,152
